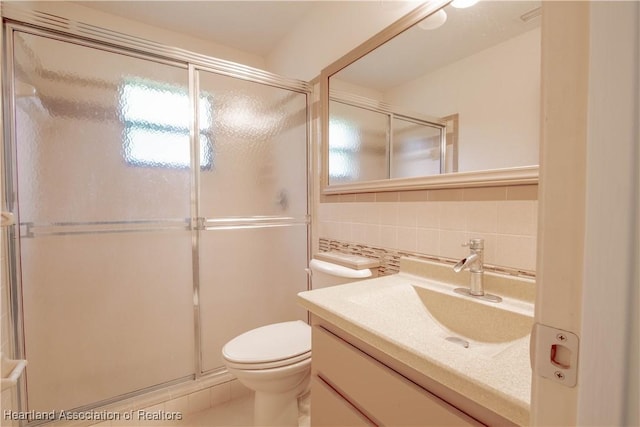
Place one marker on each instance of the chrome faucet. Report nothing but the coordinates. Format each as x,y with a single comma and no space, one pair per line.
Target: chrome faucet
475,263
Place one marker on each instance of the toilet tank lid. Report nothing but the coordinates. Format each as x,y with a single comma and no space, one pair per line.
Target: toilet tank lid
357,262
278,341
338,270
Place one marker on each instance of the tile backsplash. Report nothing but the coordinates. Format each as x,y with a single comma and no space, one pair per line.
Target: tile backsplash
436,226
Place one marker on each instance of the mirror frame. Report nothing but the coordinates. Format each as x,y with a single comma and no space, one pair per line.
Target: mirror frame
484,178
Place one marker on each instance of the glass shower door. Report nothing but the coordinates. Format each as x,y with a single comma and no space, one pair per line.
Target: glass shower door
103,178
253,205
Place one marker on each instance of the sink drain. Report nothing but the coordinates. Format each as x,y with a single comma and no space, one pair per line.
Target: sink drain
458,341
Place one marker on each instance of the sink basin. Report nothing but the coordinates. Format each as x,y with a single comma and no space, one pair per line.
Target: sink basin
441,313
470,318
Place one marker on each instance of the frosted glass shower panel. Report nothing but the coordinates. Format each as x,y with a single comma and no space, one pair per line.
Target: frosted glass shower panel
103,181
253,199
359,144
105,315
248,278
258,135
416,149
102,136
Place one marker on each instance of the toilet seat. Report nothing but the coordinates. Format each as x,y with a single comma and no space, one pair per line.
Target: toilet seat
268,365
271,346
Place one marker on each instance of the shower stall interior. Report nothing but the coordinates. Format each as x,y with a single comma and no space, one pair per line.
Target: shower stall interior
162,209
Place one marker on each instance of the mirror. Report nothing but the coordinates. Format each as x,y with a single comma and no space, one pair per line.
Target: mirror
445,97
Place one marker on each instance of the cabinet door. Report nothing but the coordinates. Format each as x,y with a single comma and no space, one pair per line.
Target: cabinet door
376,390
328,408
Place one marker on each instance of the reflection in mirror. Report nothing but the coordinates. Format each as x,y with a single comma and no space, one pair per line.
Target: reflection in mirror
359,143
416,148
475,73
370,141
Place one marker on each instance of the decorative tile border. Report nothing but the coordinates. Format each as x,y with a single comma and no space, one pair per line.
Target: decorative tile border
390,259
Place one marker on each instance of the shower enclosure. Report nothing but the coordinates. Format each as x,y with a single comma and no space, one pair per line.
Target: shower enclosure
162,209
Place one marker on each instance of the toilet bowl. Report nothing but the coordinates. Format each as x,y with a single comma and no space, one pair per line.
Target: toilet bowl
275,360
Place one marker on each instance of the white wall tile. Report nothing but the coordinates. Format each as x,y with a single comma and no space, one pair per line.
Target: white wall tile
372,234
428,241
482,217
323,214
358,232
220,393
199,401
359,213
345,231
407,214
490,246
333,229
388,212
453,216
388,237
408,238
323,229
439,228
150,409
427,215
335,214
180,404
371,214
516,252
451,244
517,218
349,212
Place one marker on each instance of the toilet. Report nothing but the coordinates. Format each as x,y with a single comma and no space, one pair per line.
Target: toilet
275,360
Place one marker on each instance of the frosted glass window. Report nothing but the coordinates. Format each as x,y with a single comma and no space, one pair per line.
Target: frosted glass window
342,149
157,121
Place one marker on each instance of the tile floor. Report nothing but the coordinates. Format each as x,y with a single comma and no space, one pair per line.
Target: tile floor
237,412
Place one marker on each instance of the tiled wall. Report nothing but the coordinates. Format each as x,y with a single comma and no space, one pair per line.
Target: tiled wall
438,222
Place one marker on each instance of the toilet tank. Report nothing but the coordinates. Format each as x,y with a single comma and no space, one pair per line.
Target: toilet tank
334,268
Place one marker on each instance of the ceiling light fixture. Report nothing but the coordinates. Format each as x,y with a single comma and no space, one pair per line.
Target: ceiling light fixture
461,4
434,21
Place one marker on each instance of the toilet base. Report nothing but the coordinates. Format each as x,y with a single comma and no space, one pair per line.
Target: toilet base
279,408
276,409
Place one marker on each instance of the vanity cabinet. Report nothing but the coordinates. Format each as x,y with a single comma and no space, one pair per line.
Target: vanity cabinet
351,388
332,408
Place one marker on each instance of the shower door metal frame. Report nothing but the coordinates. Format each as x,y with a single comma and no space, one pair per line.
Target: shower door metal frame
200,223
16,18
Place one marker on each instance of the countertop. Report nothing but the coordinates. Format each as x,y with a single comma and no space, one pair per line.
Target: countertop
498,377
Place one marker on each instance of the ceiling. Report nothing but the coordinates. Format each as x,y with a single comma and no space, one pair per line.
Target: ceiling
258,26
417,52
251,26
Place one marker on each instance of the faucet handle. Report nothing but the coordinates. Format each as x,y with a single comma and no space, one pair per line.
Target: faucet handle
477,243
